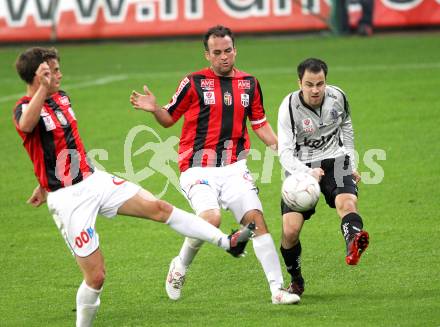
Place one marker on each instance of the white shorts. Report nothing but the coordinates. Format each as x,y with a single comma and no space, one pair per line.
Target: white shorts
230,187
74,208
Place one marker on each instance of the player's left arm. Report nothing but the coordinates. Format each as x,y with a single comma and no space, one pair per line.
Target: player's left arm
266,134
38,197
348,138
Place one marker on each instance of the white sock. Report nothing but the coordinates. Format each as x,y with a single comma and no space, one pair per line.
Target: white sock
193,226
189,250
87,304
266,253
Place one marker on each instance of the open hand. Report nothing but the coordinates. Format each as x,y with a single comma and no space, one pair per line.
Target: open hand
146,102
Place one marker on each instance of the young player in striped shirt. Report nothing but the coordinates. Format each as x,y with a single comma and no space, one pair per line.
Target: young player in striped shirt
75,191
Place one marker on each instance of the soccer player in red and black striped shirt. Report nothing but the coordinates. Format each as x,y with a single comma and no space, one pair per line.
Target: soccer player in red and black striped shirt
216,103
75,191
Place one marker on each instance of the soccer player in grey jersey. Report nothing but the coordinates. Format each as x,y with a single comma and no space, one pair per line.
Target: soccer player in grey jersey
315,135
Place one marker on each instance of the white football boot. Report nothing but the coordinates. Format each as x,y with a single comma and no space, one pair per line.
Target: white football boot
284,297
175,279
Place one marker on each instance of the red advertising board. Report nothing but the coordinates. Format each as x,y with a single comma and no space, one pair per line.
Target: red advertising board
27,20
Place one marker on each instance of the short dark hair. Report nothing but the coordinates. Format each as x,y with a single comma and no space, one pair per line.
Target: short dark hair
217,31
28,62
313,65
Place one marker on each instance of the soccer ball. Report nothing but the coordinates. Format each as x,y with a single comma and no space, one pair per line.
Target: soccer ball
300,192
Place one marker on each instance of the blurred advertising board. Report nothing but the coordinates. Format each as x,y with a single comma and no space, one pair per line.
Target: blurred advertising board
44,20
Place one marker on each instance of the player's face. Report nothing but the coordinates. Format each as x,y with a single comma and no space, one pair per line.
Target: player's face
221,55
312,86
55,75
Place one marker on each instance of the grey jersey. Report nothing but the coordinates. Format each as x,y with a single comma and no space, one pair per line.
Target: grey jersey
318,134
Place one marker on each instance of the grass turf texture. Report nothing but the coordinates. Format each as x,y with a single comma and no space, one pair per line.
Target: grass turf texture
392,85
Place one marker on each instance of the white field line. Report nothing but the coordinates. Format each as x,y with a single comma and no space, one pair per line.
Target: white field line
100,81
258,71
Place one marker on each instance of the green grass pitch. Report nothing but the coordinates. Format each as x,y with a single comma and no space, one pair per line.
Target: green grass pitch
392,82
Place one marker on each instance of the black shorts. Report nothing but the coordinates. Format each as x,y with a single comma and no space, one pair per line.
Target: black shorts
337,179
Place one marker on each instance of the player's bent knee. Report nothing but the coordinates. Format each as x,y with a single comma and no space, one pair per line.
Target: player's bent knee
164,207
257,217
349,205
96,280
252,215
162,211
291,233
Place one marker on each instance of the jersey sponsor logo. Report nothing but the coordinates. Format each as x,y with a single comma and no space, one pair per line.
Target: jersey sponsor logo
307,125
64,101
84,237
331,95
49,123
244,100
244,84
316,144
207,84
118,181
61,118
209,97
227,98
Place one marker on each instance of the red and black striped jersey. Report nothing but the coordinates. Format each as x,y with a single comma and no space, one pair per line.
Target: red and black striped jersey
215,111
54,146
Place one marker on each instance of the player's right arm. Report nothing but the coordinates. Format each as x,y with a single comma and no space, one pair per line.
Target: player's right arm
169,114
30,117
287,143
147,102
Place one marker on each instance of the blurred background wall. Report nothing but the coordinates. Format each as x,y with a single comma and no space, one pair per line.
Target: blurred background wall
56,20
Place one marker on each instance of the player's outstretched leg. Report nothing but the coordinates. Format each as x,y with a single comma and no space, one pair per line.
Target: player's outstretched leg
144,205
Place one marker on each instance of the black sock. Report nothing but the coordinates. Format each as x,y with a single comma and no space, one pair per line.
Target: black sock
292,259
350,225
